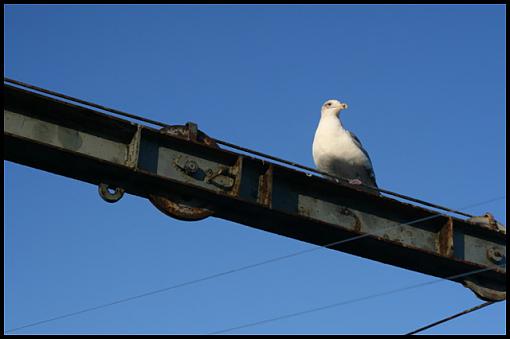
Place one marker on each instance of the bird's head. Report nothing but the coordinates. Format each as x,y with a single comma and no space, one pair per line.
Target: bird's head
332,107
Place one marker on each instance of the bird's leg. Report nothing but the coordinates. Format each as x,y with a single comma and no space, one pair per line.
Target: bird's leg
355,182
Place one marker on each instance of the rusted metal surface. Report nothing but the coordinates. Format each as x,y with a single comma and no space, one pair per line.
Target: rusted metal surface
265,187
134,148
189,178
181,207
495,255
189,132
487,220
357,221
185,207
236,171
484,293
445,239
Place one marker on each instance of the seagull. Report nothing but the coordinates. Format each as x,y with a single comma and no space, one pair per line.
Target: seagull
338,151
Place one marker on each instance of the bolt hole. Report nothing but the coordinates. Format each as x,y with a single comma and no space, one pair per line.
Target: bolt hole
111,190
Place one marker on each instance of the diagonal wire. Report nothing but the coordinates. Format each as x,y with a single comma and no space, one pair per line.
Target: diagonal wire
242,268
351,301
83,102
469,310
158,123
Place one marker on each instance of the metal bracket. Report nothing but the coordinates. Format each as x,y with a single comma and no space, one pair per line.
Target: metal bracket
192,131
488,220
175,205
220,177
106,195
484,293
494,254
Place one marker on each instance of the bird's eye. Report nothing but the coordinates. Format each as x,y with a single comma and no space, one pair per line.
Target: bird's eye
328,104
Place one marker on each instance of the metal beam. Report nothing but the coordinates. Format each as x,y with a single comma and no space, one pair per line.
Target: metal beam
187,172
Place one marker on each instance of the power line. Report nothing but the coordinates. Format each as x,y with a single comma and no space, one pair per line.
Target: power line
469,310
234,270
158,123
350,301
83,102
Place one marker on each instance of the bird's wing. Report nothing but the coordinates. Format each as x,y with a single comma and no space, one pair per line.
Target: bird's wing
358,143
368,166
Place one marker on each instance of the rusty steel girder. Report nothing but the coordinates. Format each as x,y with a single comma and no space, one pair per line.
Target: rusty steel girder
187,176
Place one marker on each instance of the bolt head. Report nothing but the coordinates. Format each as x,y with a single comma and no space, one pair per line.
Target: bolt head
191,166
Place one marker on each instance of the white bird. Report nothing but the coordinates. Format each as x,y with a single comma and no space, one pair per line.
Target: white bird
338,151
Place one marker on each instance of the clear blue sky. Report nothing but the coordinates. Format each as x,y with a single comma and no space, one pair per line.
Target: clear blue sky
426,92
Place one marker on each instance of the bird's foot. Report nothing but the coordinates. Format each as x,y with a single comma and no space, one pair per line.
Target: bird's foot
355,182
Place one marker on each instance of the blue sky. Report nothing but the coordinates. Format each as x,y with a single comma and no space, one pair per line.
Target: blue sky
426,92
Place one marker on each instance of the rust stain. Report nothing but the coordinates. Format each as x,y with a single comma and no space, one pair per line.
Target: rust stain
178,210
445,239
266,187
176,207
236,171
483,293
357,221
192,131
184,132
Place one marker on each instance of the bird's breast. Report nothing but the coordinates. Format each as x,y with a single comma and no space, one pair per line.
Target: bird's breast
336,147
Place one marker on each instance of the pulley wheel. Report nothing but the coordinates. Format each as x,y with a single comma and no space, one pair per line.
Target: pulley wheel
176,205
